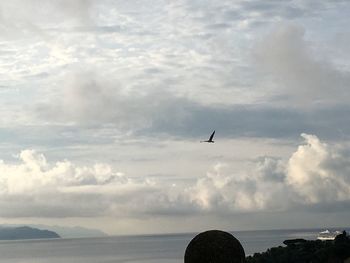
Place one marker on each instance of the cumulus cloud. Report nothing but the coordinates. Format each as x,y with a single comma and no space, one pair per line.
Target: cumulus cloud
319,173
315,175
224,191
36,188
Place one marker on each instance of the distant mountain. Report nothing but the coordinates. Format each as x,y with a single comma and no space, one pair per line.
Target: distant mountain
25,232
73,232
66,232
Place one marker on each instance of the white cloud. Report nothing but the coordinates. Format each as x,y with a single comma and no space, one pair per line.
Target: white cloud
315,174
225,192
319,173
23,18
34,183
34,174
34,187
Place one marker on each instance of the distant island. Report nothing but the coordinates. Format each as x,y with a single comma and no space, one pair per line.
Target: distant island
63,231
25,232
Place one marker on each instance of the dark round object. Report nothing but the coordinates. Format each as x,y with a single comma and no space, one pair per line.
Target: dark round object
214,246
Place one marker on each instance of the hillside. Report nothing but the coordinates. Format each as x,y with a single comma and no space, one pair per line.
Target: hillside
24,232
305,251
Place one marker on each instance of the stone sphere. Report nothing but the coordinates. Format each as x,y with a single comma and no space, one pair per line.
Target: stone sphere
214,246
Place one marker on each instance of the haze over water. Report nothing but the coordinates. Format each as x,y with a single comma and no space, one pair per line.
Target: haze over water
133,249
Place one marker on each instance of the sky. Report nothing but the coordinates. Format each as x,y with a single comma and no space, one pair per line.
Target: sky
103,104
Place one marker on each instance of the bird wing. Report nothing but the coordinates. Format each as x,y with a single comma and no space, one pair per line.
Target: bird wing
212,136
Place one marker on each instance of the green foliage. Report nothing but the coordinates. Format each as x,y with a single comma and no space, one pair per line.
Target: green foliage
313,251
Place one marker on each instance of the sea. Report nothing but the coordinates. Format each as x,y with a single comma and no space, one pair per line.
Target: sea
134,249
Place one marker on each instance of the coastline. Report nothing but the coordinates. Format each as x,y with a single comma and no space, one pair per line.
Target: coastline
301,250
164,248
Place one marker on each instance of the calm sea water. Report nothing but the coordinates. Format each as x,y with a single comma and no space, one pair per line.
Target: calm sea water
135,249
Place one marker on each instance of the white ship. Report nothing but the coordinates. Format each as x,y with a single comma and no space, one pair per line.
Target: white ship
328,235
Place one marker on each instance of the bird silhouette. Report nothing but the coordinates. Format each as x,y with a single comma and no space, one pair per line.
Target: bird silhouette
210,138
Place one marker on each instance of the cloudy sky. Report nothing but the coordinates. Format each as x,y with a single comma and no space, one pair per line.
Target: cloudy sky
103,104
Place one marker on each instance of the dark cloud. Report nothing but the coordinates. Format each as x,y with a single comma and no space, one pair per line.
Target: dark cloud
327,208
307,79
89,102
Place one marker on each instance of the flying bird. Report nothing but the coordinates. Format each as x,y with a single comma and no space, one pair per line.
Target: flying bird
210,138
